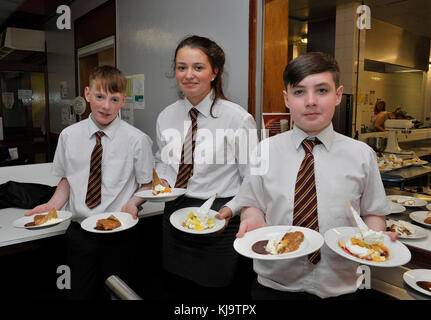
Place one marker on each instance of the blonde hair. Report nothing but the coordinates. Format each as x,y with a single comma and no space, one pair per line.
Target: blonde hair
109,79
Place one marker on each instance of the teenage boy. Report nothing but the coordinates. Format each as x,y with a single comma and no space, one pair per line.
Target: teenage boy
344,169
123,154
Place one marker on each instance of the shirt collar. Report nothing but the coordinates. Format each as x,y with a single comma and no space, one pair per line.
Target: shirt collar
109,131
204,107
325,136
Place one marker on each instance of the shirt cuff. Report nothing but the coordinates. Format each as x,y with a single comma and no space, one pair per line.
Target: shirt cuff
233,205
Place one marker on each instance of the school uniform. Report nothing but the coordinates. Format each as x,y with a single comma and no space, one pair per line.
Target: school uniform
220,164
127,162
344,169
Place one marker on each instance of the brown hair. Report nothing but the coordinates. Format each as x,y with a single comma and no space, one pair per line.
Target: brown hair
376,110
308,64
108,78
216,58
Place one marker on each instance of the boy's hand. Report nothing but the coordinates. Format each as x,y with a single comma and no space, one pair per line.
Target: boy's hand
392,235
250,223
130,208
40,208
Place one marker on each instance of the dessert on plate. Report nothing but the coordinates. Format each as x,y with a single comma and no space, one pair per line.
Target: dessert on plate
403,228
368,246
158,186
42,219
199,221
428,218
108,224
289,243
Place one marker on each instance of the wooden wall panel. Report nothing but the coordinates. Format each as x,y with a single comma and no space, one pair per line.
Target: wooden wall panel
276,22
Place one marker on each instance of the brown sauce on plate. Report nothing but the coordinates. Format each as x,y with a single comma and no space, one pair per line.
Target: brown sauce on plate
260,247
426,285
30,224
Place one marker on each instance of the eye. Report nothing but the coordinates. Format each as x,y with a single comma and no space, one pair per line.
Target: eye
99,96
199,68
322,90
181,68
115,100
298,92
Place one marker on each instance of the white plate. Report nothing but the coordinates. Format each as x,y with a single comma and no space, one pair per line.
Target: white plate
385,169
428,206
418,163
398,252
179,216
125,218
417,202
419,217
161,197
20,223
396,207
419,234
313,241
412,276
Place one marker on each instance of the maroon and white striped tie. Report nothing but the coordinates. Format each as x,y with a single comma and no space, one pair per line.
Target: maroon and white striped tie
305,205
94,189
185,170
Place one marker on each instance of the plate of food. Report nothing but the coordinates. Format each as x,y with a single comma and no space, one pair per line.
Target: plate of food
428,206
278,242
196,221
160,192
375,249
417,162
419,279
396,207
422,217
405,229
109,222
407,201
42,220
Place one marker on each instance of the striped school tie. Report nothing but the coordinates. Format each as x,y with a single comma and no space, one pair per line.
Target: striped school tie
185,170
305,205
94,189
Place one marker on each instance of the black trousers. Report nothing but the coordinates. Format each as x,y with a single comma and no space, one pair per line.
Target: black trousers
93,257
205,261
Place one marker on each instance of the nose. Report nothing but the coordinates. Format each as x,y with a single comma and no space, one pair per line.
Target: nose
311,99
189,73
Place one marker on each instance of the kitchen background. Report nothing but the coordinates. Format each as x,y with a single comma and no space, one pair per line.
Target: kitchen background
390,61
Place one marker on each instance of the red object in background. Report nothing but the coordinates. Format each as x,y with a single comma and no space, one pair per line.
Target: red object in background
275,123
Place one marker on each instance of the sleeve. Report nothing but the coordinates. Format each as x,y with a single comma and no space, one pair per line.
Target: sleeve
144,160
373,200
58,166
251,193
160,166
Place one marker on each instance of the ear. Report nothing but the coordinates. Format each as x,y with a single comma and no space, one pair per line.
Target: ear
339,95
285,99
87,93
123,101
215,73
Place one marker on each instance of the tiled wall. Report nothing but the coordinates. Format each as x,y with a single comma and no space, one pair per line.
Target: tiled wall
404,89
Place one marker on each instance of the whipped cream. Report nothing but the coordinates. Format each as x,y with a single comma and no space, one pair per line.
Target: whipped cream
271,246
357,250
159,188
52,221
371,237
202,216
400,225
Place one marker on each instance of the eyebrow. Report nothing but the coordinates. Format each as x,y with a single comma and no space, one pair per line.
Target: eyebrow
317,85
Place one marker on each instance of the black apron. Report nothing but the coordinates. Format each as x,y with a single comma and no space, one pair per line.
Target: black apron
206,259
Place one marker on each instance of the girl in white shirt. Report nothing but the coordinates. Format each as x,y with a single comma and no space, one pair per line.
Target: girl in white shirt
219,165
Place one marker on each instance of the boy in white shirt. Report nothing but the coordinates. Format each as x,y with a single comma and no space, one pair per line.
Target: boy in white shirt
126,165
344,169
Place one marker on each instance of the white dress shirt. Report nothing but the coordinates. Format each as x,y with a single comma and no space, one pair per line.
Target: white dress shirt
345,169
220,159
127,162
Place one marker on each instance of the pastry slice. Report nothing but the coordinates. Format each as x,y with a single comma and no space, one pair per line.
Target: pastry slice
44,218
158,186
290,242
107,224
428,218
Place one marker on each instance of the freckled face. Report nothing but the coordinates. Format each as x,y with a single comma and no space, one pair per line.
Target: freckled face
104,106
194,73
312,102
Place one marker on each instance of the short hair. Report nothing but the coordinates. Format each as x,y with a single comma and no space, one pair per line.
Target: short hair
108,78
308,64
